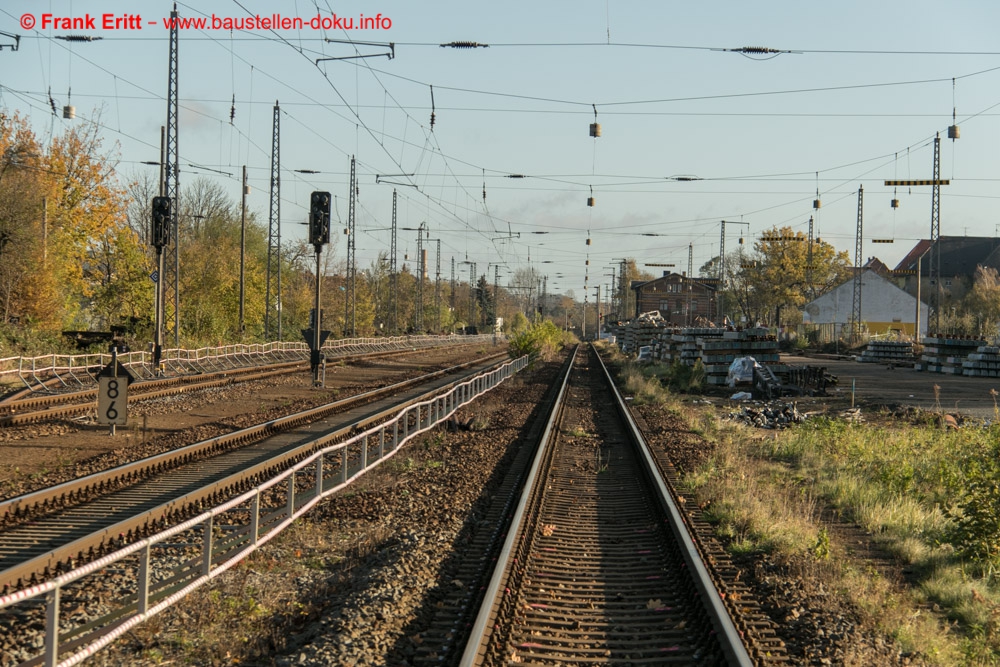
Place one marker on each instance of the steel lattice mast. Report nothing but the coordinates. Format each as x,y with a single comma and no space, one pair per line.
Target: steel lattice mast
472,294
393,276
272,305
809,261
172,265
935,270
418,307
350,301
437,286
856,297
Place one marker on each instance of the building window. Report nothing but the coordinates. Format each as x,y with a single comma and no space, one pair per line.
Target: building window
664,307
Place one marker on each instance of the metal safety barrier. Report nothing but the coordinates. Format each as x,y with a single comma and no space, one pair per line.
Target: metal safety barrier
159,571
78,370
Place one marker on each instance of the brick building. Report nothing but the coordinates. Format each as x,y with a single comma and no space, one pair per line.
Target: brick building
678,299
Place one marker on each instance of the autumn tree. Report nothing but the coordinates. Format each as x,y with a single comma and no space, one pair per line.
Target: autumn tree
777,275
67,256
981,305
28,291
628,272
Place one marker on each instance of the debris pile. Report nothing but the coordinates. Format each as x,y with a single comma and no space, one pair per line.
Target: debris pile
773,415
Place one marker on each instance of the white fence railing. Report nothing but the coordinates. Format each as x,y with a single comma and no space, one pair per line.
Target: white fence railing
153,574
78,370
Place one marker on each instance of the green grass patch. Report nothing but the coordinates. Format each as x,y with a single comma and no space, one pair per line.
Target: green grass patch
931,497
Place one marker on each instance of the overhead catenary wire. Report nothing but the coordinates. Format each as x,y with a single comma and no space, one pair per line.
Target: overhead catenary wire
425,174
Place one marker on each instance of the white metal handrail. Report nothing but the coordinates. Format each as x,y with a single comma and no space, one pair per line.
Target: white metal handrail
79,369
389,436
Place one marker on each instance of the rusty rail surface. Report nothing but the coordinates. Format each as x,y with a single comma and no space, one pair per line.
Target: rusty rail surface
598,566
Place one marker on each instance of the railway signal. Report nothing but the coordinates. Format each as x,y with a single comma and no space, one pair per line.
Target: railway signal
161,223
319,219
319,236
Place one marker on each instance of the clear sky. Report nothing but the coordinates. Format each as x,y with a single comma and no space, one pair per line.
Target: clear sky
856,101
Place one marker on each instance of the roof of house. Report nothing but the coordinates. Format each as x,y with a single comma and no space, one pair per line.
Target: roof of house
959,255
670,277
877,265
847,286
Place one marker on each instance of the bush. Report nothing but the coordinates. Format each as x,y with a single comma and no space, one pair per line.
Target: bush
542,340
976,512
684,378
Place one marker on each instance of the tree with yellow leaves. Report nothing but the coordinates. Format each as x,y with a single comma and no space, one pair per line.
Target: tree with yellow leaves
777,275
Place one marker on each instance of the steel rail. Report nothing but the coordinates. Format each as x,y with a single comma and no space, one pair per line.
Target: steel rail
481,629
147,389
514,558
729,636
249,466
372,447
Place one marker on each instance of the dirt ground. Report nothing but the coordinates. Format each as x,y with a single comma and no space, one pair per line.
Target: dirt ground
878,385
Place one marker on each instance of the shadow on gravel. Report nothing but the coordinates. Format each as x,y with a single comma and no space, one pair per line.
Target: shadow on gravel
448,610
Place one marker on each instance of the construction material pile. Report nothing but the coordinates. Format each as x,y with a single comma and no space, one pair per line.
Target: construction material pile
947,354
895,352
984,362
643,331
717,354
772,415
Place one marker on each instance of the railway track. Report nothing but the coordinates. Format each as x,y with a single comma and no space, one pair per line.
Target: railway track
52,530
598,566
36,409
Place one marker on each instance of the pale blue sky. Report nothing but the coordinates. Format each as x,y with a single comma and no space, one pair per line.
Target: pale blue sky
758,154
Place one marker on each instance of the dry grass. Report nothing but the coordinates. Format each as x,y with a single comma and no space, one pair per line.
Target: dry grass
767,494
644,387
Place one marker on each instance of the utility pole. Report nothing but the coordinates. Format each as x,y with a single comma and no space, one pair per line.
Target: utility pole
272,299
935,249
623,295
172,182
496,300
437,287
472,294
393,276
545,295
613,293
809,261
722,266
418,308
45,231
451,297
936,233
243,251
352,269
690,277
597,305
856,296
